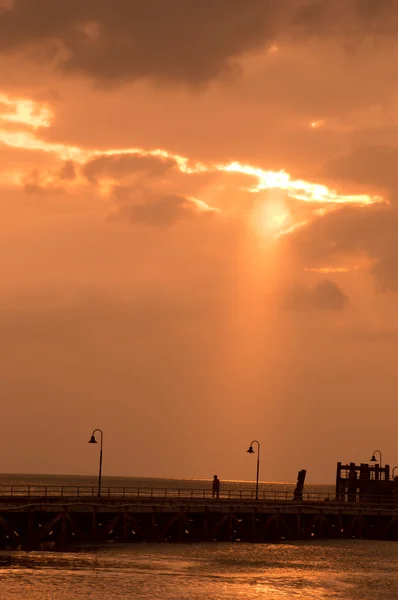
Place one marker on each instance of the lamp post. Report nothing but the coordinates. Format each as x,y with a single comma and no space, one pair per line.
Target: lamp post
251,451
92,440
373,459
393,471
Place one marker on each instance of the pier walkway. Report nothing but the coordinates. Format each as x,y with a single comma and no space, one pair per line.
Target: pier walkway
49,516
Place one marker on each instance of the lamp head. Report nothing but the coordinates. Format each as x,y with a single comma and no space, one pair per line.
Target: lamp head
92,440
373,459
250,451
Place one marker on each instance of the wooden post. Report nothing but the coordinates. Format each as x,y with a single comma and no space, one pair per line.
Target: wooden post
218,526
322,524
298,526
110,526
62,530
94,524
298,492
277,525
230,524
153,525
340,524
181,528
8,530
254,525
338,482
206,524
45,530
31,537
75,528
125,525
378,526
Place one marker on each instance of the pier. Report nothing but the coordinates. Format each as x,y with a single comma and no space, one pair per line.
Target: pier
61,517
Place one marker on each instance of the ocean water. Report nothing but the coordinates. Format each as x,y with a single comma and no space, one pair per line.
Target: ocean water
339,569
357,570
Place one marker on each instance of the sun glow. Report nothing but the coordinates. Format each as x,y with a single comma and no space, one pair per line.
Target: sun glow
271,217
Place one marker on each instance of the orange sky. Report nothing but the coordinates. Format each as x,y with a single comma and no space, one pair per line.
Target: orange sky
198,235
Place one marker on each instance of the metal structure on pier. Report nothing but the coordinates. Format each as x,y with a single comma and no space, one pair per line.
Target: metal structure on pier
356,483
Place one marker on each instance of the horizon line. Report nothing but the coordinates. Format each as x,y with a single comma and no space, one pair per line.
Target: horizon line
94,475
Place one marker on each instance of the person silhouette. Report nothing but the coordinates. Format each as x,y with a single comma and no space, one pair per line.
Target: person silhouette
216,487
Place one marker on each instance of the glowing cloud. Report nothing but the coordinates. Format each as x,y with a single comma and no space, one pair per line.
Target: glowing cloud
28,141
184,164
25,112
202,206
273,219
317,124
296,188
332,269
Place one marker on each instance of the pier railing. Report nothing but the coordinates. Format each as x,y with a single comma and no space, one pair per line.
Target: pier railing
50,491
173,494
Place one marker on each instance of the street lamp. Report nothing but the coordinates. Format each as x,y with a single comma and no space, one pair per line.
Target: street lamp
92,440
373,459
251,451
393,471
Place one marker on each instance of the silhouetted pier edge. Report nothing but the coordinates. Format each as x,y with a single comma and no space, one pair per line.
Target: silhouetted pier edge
69,517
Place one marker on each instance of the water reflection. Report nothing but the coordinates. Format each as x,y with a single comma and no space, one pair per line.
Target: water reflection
346,570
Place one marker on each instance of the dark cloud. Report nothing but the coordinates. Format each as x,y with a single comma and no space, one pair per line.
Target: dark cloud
385,269
348,17
34,183
372,165
177,40
353,232
163,211
123,165
325,295
40,182
68,171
